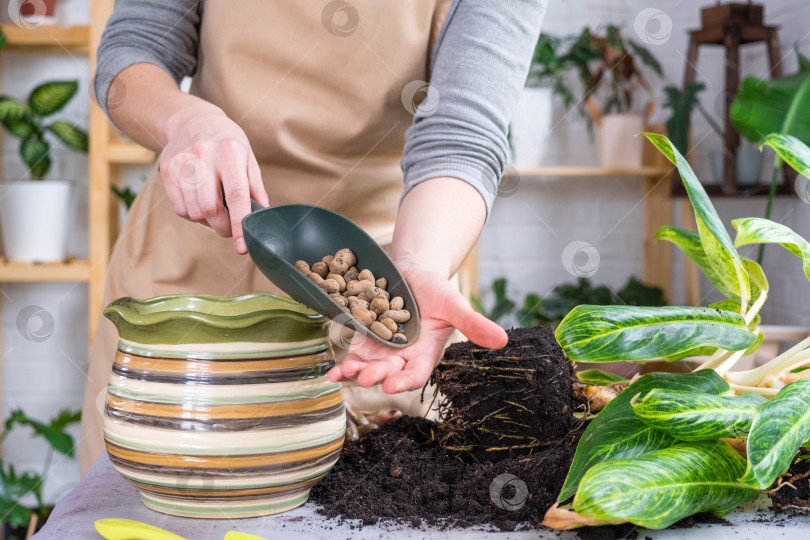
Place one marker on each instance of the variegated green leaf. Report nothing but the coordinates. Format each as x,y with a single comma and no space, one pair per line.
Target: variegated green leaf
693,416
19,127
32,150
621,333
780,426
793,151
70,135
599,377
756,277
34,153
617,433
716,242
40,168
765,231
11,109
734,307
689,243
659,488
691,353
50,97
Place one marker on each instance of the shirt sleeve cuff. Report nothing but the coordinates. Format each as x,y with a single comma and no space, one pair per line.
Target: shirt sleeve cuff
110,94
473,171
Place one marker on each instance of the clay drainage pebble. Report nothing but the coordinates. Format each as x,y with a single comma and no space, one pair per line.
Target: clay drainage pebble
359,293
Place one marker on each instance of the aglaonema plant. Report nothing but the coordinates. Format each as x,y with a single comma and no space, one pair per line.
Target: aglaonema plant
664,448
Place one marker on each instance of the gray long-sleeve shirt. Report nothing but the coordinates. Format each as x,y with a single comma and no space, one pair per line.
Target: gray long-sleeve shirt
479,65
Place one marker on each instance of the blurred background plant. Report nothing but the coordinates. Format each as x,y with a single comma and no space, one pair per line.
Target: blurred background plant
551,309
16,486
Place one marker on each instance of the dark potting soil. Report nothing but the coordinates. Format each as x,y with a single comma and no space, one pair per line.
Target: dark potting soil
798,477
499,457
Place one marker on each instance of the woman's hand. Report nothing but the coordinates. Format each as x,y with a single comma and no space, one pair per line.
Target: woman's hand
204,149
442,309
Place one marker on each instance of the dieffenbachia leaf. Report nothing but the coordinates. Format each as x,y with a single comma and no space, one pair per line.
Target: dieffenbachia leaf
693,416
717,245
689,243
52,96
793,151
70,135
617,433
756,277
600,377
621,333
11,109
765,231
780,426
658,489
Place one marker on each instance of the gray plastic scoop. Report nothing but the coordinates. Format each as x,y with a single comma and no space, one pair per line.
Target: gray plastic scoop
278,236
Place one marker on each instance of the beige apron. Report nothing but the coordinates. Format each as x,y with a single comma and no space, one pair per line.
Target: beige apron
317,87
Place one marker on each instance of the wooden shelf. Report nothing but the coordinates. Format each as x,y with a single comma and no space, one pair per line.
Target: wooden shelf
70,270
56,38
590,172
124,153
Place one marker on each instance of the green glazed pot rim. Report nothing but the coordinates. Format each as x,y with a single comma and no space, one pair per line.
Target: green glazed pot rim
230,312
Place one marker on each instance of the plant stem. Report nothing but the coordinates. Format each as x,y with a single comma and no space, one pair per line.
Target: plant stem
740,389
777,162
725,366
777,365
755,307
715,360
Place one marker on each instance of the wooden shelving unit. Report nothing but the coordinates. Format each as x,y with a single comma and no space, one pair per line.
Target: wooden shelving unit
107,154
129,153
74,39
71,270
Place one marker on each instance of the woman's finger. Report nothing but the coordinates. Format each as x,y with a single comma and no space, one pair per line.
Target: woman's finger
377,371
478,329
233,173
257,191
209,198
173,192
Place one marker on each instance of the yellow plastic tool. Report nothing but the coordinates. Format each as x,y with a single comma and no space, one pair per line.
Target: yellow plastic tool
233,535
129,529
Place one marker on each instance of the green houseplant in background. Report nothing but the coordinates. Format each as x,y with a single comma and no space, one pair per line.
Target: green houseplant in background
660,450
36,213
16,487
537,310
682,102
610,69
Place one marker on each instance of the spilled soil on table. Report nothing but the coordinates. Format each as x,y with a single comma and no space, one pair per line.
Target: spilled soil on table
499,456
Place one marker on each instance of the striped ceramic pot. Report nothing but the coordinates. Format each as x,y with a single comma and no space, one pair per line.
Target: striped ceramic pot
220,407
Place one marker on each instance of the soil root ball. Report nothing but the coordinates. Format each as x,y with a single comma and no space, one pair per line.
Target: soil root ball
515,400
406,471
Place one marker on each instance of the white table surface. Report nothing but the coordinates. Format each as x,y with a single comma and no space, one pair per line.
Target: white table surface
103,493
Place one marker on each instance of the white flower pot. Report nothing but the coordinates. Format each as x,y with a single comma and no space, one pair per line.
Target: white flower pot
36,218
616,143
531,127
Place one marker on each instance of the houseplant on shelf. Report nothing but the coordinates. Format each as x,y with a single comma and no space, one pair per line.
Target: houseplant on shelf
36,213
609,64
531,122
